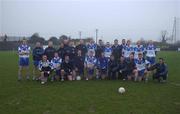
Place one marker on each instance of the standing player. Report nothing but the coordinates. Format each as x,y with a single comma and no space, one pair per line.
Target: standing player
90,64
61,51
100,48
81,47
72,53
45,68
38,51
102,64
91,47
138,49
23,51
151,52
49,51
56,62
128,49
116,50
107,50
141,65
123,45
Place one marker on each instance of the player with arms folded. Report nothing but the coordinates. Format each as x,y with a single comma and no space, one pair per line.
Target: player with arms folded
91,47
128,49
151,53
138,49
24,52
107,50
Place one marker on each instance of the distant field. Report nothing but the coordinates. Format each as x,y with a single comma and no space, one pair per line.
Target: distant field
84,97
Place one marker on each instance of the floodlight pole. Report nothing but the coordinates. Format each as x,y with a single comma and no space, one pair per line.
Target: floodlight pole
175,29
79,34
96,35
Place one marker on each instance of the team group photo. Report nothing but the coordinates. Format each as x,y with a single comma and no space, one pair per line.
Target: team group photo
92,61
89,56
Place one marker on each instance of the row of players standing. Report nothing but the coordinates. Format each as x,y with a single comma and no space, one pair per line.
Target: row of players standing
69,61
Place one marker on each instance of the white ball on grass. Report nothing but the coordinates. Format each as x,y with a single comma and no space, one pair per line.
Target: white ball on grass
121,90
78,77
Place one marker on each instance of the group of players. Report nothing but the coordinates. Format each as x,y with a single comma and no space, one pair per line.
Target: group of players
92,61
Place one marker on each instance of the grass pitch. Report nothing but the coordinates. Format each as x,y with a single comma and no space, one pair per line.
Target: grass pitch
86,97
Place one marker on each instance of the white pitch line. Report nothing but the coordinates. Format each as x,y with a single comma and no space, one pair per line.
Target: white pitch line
176,84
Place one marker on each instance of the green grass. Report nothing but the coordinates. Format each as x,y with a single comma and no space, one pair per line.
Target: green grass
82,97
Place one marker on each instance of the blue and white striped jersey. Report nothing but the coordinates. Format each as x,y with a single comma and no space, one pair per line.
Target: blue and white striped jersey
141,64
107,52
128,50
56,62
138,49
24,51
102,63
90,60
45,64
92,47
151,51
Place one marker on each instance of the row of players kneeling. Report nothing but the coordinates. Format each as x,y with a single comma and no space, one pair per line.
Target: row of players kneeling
125,69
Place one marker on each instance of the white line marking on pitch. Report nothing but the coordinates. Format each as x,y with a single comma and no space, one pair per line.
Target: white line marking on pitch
176,84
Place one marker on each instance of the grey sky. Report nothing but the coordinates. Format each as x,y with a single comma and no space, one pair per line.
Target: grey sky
130,19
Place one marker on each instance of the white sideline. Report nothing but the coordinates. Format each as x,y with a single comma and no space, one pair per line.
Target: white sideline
176,84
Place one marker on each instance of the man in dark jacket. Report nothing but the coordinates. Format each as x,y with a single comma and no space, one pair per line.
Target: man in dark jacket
161,71
38,51
131,66
49,51
61,51
122,68
112,68
72,51
81,47
117,50
79,64
100,49
67,68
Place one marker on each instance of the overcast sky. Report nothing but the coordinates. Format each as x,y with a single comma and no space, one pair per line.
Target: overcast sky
131,19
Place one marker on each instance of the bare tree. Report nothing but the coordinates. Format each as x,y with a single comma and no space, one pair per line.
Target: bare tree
163,35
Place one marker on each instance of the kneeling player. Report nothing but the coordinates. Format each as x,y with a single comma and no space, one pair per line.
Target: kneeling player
45,68
102,64
122,69
141,71
112,68
90,64
161,71
56,61
131,67
79,63
67,68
